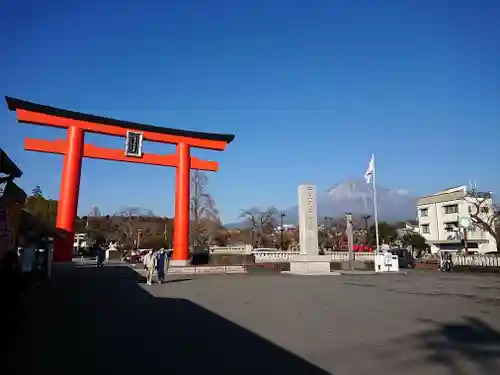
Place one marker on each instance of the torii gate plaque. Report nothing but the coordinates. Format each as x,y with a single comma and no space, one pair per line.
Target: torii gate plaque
74,149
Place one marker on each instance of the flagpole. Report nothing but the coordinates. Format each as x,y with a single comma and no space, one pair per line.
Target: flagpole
375,208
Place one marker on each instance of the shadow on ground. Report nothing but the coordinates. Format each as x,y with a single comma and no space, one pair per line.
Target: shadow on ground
88,320
463,348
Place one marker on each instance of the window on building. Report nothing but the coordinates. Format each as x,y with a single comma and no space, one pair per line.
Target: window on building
424,212
484,210
452,209
451,226
425,228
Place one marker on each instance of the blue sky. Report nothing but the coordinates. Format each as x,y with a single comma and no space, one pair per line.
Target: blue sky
310,88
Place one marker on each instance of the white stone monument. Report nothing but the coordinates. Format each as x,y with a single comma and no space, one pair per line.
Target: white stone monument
309,262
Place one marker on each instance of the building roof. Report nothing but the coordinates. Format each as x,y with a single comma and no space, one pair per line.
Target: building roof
452,189
413,223
12,193
15,104
441,197
7,166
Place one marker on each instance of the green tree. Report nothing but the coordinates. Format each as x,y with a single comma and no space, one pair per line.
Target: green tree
43,209
37,192
387,233
417,242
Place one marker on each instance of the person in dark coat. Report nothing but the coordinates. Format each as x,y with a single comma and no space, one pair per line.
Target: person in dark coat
162,265
101,255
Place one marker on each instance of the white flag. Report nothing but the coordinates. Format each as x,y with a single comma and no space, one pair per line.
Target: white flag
371,169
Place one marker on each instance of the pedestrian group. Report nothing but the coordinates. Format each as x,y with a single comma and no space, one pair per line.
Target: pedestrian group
156,261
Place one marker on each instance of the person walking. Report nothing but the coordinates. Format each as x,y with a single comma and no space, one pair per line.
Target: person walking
101,255
162,265
149,262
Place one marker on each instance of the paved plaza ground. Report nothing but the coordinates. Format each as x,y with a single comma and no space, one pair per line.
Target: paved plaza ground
88,321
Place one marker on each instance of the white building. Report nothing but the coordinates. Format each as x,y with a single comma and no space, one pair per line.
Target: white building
80,241
407,228
441,217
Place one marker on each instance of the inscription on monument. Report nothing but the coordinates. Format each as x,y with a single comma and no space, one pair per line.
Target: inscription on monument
308,220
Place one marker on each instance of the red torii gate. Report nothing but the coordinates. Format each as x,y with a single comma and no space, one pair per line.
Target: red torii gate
74,149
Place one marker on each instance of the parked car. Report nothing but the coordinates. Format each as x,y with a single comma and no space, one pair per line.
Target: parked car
405,259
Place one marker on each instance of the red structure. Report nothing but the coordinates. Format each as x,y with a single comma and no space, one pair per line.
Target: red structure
74,149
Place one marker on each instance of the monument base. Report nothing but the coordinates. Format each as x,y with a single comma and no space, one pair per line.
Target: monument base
355,265
310,265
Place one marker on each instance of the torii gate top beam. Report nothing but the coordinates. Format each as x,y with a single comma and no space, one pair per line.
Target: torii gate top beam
39,114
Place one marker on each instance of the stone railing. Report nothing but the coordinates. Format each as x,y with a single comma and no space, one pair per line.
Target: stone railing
337,256
284,256
242,249
342,256
476,260
273,256
369,257
265,255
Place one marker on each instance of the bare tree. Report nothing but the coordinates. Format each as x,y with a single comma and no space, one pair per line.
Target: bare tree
203,208
131,225
262,222
485,214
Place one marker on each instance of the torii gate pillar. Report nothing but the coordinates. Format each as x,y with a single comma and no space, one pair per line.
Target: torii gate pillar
182,199
68,195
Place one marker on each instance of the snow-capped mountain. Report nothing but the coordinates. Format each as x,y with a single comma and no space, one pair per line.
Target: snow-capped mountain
356,197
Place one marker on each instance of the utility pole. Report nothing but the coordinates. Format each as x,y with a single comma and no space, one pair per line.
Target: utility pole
466,242
328,226
138,238
328,223
282,215
464,223
350,238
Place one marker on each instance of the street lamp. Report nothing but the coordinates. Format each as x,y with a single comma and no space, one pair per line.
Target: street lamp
350,238
327,219
282,215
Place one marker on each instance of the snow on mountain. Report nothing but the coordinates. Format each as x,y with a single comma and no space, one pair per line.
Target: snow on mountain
356,197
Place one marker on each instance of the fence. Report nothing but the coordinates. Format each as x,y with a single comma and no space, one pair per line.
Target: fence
340,256
284,256
476,260
243,249
264,255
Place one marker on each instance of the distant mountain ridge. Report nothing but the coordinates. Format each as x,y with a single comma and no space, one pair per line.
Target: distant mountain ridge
356,197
